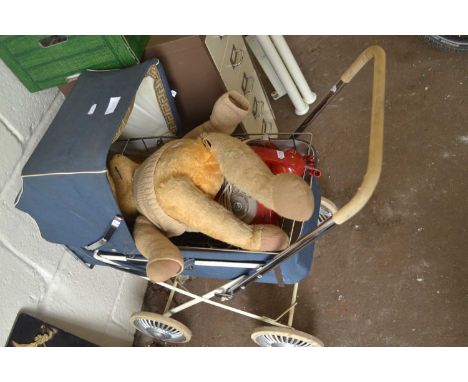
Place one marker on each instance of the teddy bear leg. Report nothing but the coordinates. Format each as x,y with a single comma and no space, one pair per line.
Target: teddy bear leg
164,258
287,194
186,203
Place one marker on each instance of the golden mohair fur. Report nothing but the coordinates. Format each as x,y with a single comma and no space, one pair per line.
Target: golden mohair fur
173,191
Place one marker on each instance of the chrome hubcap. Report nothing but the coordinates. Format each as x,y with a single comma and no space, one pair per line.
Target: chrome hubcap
159,330
324,214
275,340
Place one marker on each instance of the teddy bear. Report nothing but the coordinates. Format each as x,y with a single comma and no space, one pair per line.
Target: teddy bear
173,191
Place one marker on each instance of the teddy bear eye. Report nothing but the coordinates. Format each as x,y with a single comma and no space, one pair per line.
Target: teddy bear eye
118,172
207,143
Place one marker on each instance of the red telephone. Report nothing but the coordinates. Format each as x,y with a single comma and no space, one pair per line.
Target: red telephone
286,161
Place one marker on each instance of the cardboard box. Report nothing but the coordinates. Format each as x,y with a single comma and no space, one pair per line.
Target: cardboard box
191,73
42,62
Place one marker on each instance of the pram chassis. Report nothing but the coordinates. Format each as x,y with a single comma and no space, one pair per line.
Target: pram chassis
291,337
53,177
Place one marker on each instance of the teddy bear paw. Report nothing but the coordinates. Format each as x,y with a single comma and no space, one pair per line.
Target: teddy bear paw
272,238
292,197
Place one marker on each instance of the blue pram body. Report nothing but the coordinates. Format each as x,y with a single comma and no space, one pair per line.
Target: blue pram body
67,191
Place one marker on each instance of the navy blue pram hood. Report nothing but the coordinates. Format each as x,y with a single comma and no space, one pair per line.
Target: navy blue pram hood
65,182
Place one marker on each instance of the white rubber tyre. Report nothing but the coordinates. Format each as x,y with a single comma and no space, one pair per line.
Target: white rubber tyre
160,327
272,336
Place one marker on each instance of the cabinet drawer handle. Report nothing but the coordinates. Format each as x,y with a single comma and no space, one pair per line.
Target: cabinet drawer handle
237,56
266,127
257,108
247,84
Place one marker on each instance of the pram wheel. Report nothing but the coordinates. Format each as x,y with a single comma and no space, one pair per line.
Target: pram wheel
327,209
272,336
160,327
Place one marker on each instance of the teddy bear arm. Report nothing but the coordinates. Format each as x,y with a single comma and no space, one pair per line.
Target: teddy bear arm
183,201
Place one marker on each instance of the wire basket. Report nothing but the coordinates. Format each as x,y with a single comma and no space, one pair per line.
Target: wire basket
140,148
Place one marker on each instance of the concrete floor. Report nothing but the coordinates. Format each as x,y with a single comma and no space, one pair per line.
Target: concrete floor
397,274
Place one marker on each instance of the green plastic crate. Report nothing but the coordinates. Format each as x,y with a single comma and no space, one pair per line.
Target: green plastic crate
42,62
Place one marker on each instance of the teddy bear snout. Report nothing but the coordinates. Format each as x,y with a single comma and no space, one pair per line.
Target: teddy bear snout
229,111
238,100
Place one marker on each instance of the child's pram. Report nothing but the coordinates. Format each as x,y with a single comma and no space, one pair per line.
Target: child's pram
67,191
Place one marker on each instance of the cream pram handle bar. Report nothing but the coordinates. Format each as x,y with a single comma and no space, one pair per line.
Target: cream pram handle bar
374,164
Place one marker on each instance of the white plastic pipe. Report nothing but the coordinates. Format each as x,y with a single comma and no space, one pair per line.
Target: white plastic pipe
300,106
283,49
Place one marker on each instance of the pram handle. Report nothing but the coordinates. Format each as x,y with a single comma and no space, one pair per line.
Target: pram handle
374,163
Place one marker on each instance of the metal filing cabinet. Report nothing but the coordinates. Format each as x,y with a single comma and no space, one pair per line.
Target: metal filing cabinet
231,58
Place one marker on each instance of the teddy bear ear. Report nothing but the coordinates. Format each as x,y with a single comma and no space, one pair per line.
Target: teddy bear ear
121,170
